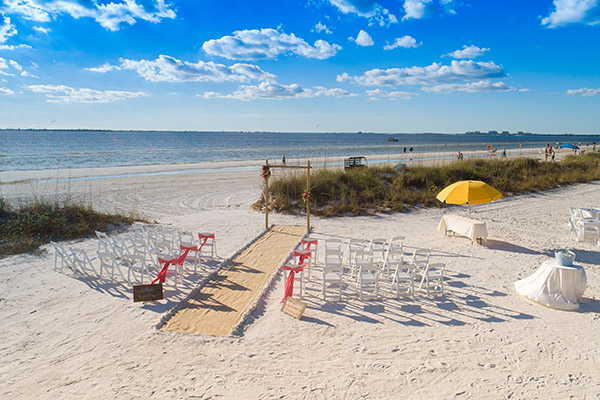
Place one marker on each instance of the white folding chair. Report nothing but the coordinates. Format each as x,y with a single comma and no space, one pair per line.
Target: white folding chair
353,246
395,245
333,271
208,242
83,262
378,246
302,257
311,245
367,274
433,275
588,233
298,277
108,256
63,257
404,273
420,259
189,241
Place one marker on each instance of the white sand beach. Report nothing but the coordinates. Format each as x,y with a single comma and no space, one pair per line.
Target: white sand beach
65,337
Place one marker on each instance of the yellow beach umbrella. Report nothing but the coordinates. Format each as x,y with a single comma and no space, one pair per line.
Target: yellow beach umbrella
469,192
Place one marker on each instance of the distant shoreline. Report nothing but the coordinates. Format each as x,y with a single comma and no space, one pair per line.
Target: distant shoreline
524,134
200,168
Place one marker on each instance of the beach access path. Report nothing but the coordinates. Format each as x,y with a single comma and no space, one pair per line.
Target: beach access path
221,304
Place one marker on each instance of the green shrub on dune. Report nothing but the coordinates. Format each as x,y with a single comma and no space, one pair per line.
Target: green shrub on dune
27,227
384,189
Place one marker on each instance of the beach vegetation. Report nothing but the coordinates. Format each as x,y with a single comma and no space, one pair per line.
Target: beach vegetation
26,227
337,192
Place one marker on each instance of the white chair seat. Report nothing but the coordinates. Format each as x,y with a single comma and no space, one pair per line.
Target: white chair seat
368,277
332,276
403,276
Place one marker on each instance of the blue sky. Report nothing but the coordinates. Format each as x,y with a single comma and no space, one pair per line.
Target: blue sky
304,65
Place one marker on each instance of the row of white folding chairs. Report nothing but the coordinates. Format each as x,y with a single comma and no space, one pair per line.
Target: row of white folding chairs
76,260
125,253
368,271
172,242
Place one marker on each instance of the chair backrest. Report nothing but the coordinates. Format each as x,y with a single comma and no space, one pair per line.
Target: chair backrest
356,244
333,261
138,231
364,260
397,242
378,246
394,255
334,244
333,255
187,237
436,267
420,257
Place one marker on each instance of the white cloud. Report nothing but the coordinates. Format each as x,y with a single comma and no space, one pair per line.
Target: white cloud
41,29
276,91
319,27
467,52
417,9
472,87
376,94
363,39
170,69
370,9
573,11
65,94
7,29
13,68
405,41
6,91
14,47
583,92
434,74
110,15
104,68
264,44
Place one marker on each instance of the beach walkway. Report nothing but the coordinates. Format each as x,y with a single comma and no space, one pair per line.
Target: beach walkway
219,306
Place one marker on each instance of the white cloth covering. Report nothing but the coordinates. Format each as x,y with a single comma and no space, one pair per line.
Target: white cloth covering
470,228
554,286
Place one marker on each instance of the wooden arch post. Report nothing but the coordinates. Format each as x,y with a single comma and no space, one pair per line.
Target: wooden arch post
307,167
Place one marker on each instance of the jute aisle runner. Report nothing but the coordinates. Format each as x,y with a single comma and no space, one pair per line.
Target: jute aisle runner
220,305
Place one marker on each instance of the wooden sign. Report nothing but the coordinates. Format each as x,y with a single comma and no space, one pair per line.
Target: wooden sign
293,307
147,292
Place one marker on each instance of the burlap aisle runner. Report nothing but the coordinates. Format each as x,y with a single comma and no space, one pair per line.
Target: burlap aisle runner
220,305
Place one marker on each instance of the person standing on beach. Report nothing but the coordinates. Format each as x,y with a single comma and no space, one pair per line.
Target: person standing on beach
283,159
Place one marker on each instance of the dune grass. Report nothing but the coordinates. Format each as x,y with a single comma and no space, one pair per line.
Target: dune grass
384,189
27,227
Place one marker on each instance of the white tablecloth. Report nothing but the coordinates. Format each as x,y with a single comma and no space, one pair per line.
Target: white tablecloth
470,228
554,286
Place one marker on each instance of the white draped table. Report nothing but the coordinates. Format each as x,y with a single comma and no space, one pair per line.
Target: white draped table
554,286
463,226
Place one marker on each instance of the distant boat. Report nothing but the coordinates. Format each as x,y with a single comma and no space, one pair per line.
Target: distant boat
392,139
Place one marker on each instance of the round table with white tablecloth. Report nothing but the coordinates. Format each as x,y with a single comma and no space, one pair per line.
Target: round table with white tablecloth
554,286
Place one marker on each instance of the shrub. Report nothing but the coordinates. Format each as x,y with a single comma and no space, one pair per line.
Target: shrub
383,189
31,225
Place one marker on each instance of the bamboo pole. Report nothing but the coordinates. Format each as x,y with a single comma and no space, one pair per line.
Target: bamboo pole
267,199
308,203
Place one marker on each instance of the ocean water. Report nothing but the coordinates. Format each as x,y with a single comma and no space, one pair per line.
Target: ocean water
37,150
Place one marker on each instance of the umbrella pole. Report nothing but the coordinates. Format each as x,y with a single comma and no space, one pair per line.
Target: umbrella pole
469,210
